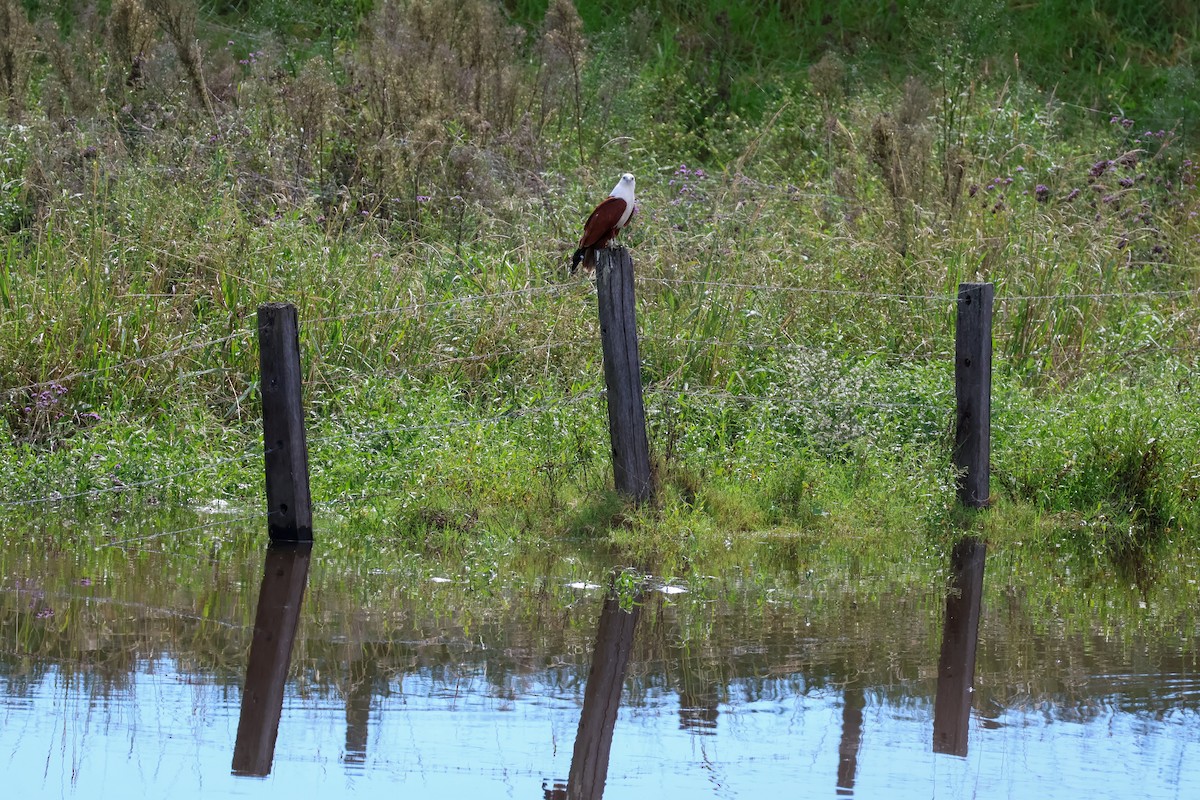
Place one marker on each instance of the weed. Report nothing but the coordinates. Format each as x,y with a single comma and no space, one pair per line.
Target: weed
413,187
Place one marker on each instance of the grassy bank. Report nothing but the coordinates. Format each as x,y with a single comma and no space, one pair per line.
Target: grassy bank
414,187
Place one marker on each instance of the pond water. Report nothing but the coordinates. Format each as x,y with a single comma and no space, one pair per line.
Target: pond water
230,669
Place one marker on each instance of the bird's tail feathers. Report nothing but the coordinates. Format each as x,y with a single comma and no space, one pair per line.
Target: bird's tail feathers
579,256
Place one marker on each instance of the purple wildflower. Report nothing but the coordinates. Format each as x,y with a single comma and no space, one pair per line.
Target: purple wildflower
1041,192
1073,194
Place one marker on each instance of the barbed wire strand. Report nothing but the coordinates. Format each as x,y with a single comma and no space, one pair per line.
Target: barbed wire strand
791,402
162,534
139,361
515,413
124,487
1000,298
797,289
550,288
1011,298
112,601
792,347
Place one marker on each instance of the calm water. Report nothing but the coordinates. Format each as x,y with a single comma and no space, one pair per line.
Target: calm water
782,674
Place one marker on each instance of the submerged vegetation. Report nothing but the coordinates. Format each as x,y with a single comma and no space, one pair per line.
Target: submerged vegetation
412,176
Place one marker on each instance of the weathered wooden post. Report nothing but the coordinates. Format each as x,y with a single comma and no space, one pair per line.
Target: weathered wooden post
973,388
289,510
623,374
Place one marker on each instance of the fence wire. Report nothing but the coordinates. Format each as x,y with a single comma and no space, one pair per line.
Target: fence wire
98,491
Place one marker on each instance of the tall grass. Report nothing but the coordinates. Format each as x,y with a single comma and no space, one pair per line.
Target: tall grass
414,188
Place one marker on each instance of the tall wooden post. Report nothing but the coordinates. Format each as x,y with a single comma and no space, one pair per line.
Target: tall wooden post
623,374
973,388
289,509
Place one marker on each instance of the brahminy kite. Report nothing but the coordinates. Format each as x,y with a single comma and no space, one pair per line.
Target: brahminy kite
606,221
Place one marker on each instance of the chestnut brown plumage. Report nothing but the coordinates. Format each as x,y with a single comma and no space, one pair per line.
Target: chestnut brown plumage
606,221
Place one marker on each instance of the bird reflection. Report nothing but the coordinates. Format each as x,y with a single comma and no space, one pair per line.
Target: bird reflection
284,578
956,666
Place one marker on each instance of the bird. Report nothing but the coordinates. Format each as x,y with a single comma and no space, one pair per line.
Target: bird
606,221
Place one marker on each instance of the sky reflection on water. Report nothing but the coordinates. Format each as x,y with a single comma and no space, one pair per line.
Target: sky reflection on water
720,693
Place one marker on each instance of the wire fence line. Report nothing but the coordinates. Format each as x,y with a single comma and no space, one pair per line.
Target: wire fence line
933,401
558,288
790,347
529,291
507,415
512,351
132,362
759,287
1097,295
91,599
797,402
495,419
334,438
121,543
931,298
117,488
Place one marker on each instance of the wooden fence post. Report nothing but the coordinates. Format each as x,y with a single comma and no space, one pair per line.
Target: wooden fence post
289,510
623,374
973,389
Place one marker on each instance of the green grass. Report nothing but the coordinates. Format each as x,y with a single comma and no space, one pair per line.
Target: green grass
804,222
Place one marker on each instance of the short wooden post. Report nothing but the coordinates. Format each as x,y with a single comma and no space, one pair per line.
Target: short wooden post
289,510
973,388
623,374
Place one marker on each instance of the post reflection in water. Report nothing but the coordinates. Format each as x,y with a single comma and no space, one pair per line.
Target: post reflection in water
363,685
854,700
601,699
956,665
284,578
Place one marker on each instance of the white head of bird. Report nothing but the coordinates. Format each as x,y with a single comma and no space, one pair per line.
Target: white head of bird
624,190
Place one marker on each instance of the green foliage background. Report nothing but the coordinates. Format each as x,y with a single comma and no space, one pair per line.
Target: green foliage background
815,179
